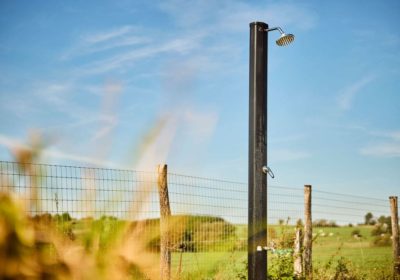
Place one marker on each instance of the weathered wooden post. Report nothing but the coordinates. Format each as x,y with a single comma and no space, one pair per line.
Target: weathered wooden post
395,236
298,259
307,233
165,213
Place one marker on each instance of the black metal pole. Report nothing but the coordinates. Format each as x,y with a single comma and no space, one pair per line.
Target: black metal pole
257,227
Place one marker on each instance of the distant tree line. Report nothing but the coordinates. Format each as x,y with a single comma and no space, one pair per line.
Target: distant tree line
371,220
324,223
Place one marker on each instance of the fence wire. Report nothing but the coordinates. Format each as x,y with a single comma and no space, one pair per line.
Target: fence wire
209,216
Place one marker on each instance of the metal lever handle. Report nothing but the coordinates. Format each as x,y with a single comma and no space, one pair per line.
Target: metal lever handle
268,171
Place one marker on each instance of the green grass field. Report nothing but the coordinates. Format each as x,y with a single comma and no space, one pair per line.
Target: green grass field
332,247
66,248
357,250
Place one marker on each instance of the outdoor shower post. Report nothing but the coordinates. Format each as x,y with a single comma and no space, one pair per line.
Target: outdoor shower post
257,211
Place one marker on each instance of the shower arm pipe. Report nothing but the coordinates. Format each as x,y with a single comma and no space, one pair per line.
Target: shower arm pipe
274,28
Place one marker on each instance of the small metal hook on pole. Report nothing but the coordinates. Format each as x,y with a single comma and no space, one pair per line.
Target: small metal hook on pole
268,171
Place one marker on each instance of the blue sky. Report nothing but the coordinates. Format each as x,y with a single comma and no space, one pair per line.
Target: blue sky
135,83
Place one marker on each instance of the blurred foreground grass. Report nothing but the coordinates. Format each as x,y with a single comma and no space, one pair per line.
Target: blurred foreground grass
42,248
59,247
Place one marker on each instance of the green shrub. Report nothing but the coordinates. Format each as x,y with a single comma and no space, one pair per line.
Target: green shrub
356,233
344,272
382,240
381,232
281,267
338,269
379,229
281,261
192,233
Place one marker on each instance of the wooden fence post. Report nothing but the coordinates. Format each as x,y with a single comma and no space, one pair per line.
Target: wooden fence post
307,233
165,213
395,236
298,260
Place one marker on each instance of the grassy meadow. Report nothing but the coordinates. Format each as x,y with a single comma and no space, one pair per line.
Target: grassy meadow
60,247
337,254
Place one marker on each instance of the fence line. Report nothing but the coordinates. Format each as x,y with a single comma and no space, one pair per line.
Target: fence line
73,186
211,214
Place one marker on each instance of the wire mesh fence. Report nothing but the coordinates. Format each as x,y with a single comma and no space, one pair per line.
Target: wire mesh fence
352,227
206,213
208,225
81,191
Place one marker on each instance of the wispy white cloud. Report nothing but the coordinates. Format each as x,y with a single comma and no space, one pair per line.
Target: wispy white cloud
200,22
121,42
124,36
388,149
11,143
59,97
382,143
108,125
191,12
388,144
37,98
107,35
201,25
395,135
53,93
125,59
103,136
14,144
17,106
367,37
348,94
69,117
391,135
79,158
236,15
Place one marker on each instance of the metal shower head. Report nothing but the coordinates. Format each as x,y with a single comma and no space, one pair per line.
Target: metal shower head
285,39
